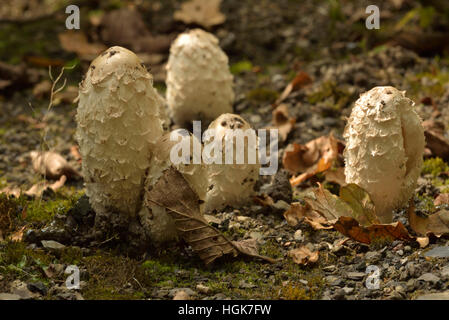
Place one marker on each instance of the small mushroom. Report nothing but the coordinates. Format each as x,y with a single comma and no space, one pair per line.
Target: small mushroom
384,148
231,184
199,83
154,218
119,117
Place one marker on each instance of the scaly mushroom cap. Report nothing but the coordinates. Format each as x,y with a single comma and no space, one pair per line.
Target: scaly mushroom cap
231,184
199,83
384,148
157,221
119,117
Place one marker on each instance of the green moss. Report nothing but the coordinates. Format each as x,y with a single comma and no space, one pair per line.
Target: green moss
262,95
241,66
434,166
425,204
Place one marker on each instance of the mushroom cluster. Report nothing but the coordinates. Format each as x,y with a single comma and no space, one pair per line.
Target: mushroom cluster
384,148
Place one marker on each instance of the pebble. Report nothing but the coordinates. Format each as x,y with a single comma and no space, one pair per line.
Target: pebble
202,288
172,293
181,295
9,296
429,277
355,275
438,252
52,245
445,271
298,235
434,296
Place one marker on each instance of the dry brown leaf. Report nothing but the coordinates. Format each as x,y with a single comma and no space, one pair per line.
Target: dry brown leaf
35,124
437,223
75,41
298,212
125,27
51,165
375,232
316,156
435,140
174,193
18,235
299,81
303,256
264,200
38,189
282,121
205,13
336,175
442,198
11,191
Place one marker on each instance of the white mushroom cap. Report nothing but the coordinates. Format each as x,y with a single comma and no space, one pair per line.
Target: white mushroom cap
199,83
157,221
231,184
384,148
119,117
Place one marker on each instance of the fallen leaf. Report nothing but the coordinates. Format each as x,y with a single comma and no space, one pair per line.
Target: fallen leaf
298,212
316,156
436,223
303,256
422,241
442,198
125,27
373,233
18,235
264,200
39,188
205,13
51,165
75,41
435,139
282,121
299,81
336,175
174,193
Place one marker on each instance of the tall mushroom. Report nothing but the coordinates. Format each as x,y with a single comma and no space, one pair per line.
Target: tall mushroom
230,182
384,148
119,118
199,83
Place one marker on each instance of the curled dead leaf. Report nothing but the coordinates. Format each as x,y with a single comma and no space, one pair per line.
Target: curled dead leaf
316,156
436,142
75,41
298,212
300,80
205,13
264,200
282,121
303,256
436,223
38,189
51,165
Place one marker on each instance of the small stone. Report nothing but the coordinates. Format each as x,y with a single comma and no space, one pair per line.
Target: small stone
438,252
407,249
181,295
255,235
242,218
37,287
348,290
9,296
281,205
245,285
298,235
20,288
400,252
434,296
52,245
202,288
173,292
445,271
355,275
429,277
